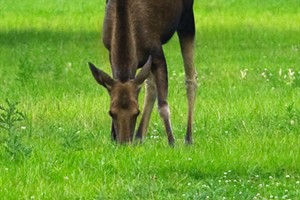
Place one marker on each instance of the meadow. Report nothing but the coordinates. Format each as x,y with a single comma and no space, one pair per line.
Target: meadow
55,128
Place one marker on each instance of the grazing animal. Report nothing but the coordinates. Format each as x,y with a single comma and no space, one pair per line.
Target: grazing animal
134,32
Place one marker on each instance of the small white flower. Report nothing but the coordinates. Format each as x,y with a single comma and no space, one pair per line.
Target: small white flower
23,127
69,64
287,176
280,72
264,75
66,178
189,184
270,177
291,73
298,182
292,122
244,73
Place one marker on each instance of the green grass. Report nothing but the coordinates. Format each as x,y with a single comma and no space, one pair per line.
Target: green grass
247,120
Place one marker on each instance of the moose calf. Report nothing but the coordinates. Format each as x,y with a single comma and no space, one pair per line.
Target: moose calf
134,32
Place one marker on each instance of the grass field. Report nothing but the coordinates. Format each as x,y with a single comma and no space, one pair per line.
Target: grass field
55,143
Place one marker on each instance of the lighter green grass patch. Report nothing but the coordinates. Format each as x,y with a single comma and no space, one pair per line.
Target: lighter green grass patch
247,116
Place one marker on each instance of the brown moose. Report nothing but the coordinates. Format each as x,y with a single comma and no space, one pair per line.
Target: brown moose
134,32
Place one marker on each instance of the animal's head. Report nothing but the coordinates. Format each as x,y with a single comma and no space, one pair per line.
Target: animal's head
124,108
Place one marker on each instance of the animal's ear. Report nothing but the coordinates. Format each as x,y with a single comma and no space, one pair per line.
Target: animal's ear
144,73
101,77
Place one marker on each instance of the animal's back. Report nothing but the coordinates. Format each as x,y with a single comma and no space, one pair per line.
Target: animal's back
149,20
133,28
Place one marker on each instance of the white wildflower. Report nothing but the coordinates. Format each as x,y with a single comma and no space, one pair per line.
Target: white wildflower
244,73
291,73
280,72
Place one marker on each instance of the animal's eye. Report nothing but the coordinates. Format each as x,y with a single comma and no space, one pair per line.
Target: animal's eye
138,112
113,115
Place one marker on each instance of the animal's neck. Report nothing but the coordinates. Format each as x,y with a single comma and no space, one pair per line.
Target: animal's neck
123,51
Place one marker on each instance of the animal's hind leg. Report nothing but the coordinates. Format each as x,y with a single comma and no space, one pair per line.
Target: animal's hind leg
150,97
186,35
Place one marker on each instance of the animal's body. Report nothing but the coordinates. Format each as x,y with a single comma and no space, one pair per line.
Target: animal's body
134,32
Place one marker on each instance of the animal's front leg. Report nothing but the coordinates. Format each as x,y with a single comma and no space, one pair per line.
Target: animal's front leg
113,132
160,72
150,97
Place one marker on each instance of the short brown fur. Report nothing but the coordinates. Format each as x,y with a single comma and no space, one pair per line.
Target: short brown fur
134,32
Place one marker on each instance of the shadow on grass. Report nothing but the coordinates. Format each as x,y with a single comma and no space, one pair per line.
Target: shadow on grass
241,36
20,37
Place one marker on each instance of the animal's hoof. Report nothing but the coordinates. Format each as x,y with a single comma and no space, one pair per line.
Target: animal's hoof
138,140
171,141
188,140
